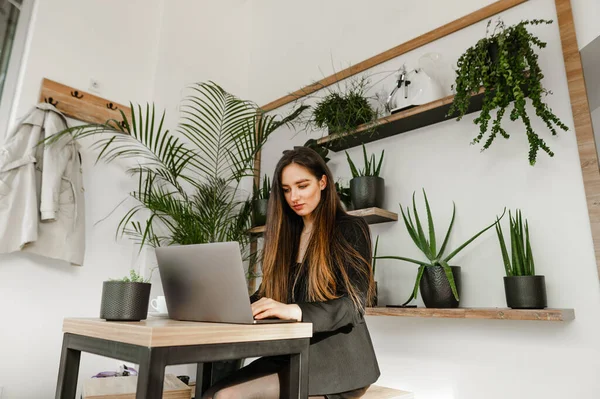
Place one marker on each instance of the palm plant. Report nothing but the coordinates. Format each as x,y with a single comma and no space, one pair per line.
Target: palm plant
188,181
429,246
522,256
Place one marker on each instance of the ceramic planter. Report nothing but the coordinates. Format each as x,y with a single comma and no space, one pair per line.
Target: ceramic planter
367,192
525,292
124,301
435,288
259,211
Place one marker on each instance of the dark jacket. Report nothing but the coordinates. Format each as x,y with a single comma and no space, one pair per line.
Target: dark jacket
341,355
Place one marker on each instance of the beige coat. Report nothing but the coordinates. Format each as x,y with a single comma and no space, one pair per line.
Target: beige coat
41,189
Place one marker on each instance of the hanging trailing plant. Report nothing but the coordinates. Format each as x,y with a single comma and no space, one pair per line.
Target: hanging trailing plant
505,66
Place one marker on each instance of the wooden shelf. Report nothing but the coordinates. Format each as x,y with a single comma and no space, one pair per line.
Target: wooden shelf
401,122
371,216
477,313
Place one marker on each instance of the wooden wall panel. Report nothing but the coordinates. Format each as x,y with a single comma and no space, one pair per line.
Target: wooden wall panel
582,119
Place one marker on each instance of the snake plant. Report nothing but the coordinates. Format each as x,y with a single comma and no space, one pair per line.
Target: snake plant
522,256
429,247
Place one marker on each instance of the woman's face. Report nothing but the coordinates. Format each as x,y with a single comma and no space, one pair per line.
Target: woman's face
302,190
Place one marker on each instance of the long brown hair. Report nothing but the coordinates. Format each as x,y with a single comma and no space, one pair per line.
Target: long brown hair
328,253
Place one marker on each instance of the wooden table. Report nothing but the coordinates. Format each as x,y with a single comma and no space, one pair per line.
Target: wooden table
158,342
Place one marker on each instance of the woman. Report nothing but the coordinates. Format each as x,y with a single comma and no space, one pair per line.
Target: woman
316,268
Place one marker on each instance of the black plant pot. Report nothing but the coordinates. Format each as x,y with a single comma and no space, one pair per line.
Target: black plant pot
435,288
367,191
124,301
259,211
525,292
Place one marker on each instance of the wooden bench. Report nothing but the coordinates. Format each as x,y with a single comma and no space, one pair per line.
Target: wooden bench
374,392
379,392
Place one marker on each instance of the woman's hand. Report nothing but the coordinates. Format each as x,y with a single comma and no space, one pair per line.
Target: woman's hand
267,307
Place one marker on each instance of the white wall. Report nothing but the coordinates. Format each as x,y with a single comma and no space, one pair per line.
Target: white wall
585,15
70,41
202,42
456,359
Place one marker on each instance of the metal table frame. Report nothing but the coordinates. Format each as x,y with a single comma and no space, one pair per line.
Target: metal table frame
153,360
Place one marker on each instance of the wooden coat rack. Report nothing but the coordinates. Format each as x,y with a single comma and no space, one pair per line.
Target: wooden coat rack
81,105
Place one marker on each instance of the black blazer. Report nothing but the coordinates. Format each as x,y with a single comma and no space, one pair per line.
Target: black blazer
341,354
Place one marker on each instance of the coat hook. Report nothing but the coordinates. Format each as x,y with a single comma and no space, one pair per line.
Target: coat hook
123,125
76,94
111,106
50,101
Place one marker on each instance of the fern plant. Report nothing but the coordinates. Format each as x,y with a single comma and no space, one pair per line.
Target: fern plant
428,244
520,262
372,168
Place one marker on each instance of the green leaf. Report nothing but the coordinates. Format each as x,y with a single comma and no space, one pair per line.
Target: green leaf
379,164
374,263
424,245
450,277
432,243
352,166
505,256
366,161
418,281
443,247
418,262
529,252
410,228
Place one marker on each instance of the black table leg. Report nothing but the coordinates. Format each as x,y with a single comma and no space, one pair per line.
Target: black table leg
203,378
151,375
298,374
68,371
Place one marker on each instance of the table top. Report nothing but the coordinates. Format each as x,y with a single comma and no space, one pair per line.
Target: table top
160,332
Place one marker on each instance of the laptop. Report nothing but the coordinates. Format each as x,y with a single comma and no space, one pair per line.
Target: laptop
206,282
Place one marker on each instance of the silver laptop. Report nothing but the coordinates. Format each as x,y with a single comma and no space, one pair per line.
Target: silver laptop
206,282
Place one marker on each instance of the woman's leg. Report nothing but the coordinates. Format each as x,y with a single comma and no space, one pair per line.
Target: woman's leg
260,379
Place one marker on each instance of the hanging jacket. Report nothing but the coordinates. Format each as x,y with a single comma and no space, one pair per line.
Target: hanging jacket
41,189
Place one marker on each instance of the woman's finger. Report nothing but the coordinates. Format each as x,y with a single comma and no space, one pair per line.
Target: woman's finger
266,313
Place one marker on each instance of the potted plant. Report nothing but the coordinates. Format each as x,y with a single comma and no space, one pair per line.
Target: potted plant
125,299
343,192
342,111
260,202
505,66
523,288
438,280
367,189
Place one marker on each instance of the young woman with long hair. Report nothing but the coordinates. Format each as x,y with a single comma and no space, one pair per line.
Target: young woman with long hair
316,268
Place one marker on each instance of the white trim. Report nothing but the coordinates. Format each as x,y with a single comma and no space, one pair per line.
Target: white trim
14,77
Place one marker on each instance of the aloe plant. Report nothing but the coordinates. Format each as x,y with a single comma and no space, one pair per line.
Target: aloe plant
429,248
521,254
370,168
